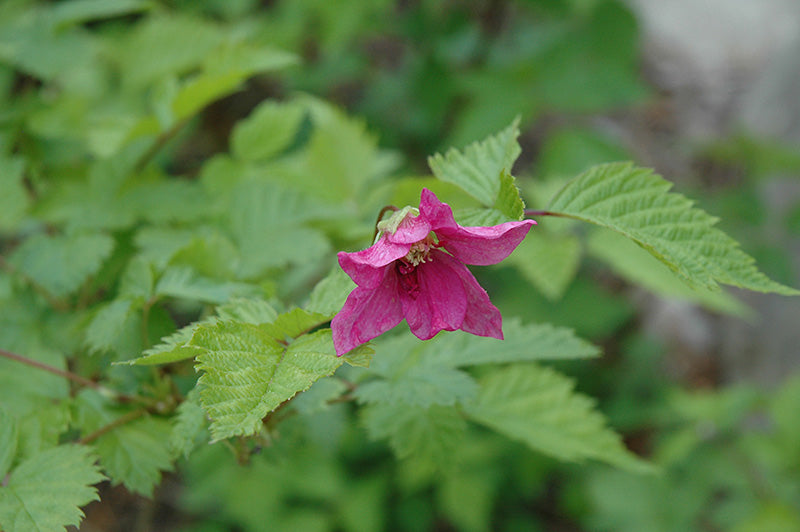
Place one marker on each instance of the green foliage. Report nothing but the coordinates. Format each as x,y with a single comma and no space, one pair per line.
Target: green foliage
45,492
479,167
539,407
61,264
637,203
248,372
134,453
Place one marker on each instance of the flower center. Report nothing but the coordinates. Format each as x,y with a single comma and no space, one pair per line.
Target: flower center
419,251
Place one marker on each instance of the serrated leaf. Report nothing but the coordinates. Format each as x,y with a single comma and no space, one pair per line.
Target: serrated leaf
508,199
478,168
173,348
295,322
189,425
329,295
253,311
248,373
61,264
549,261
45,492
203,89
428,435
633,263
268,130
137,280
539,407
184,283
422,386
266,221
637,203
107,324
133,453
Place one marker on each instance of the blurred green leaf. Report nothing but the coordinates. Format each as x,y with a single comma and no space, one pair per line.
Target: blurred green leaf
269,129
8,441
14,200
44,492
540,407
61,264
549,261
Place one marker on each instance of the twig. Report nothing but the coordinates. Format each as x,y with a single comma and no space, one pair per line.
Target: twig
74,377
159,143
127,418
544,213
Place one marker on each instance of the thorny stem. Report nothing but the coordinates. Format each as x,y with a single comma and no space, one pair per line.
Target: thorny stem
386,209
127,418
74,377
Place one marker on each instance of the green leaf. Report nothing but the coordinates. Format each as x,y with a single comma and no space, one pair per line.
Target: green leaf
14,200
637,203
80,11
172,348
422,385
549,261
137,280
189,425
479,167
539,407
61,264
248,372
329,295
428,435
522,343
183,283
295,323
266,221
267,131
253,311
508,199
135,452
633,263
8,441
44,493
203,89
107,324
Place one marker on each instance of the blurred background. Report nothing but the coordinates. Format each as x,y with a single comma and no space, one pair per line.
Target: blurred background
707,92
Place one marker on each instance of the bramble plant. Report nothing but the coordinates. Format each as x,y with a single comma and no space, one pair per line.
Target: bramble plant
150,318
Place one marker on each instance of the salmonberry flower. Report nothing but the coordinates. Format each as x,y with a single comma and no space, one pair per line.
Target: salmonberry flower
417,270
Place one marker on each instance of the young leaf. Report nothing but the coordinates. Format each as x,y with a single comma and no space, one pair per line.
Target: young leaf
45,492
61,264
637,203
479,167
539,406
249,373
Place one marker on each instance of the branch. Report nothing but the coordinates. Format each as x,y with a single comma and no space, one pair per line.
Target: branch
127,418
74,377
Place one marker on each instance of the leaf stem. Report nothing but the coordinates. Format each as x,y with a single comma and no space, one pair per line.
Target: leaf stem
159,143
544,213
123,420
74,377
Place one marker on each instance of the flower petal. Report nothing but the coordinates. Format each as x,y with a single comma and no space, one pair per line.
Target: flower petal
483,245
367,313
411,229
482,318
439,215
365,267
441,301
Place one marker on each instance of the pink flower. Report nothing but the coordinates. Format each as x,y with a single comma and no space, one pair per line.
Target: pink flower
416,270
